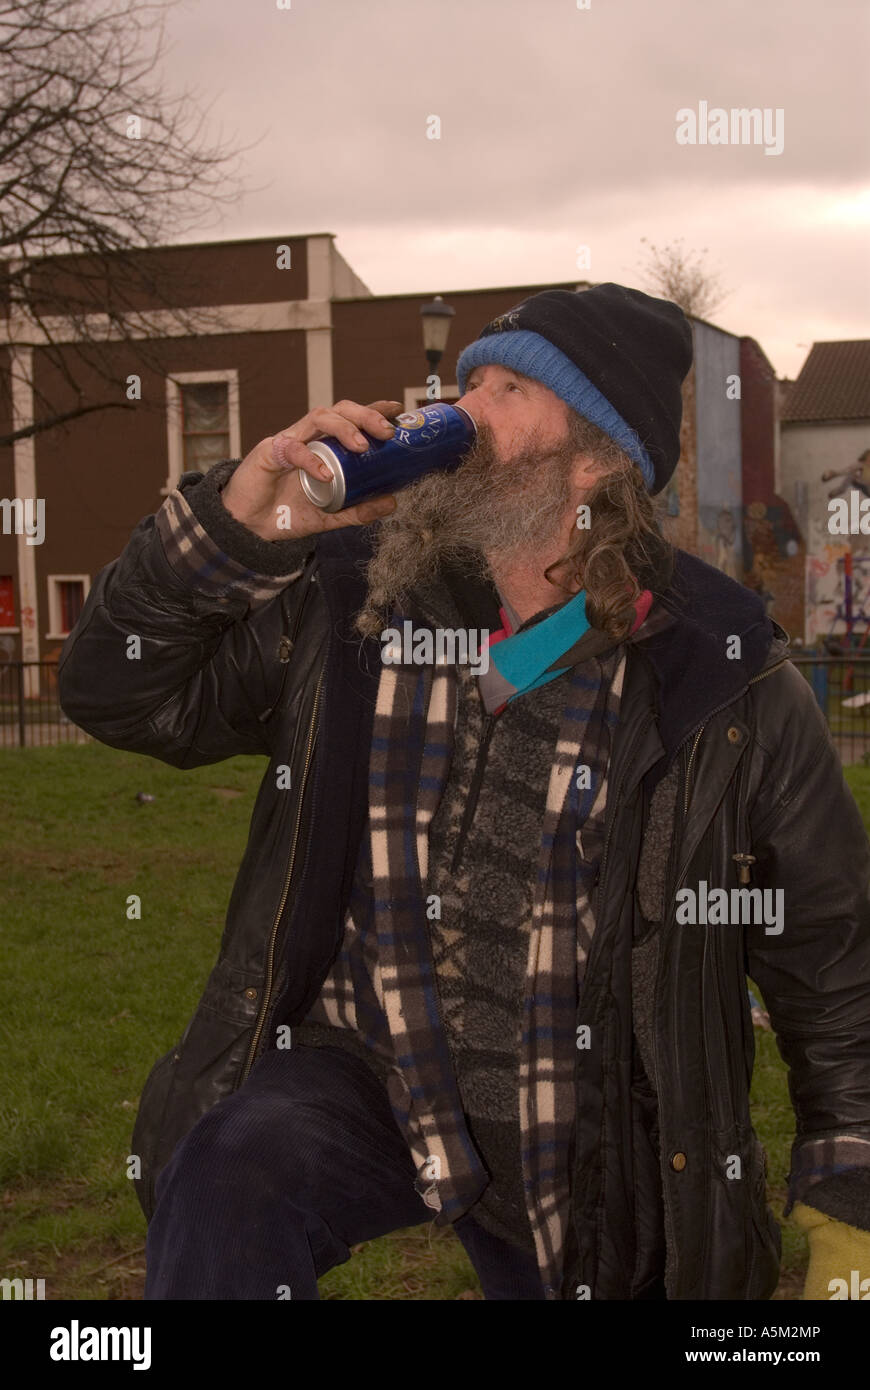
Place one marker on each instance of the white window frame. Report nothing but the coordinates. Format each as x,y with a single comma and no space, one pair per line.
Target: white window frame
174,419
52,580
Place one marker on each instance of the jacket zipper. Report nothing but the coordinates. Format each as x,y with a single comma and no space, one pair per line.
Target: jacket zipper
689,766
474,791
270,963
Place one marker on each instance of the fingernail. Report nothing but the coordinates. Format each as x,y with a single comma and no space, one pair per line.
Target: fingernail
325,470
360,438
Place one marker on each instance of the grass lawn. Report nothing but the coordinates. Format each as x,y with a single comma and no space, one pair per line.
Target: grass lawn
93,998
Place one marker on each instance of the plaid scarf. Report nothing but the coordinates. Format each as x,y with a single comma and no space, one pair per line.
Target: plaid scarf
411,750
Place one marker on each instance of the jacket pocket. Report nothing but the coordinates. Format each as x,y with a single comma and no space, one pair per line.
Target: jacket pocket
203,1068
743,1240
152,1105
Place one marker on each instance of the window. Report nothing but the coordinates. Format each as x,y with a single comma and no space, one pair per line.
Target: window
72,601
7,601
202,422
205,424
66,599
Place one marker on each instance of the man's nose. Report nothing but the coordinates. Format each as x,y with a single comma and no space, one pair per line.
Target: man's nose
476,403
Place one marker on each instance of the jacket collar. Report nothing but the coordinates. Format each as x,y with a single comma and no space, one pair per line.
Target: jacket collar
697,665
719,639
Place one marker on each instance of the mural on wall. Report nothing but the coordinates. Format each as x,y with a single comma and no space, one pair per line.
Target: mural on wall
773,557
856,476
678,501
826,591
848,469
827,615
727,558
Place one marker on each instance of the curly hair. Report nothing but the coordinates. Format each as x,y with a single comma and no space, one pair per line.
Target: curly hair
623,550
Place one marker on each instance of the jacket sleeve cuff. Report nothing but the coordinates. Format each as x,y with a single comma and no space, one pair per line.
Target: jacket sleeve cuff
215,554
832,1175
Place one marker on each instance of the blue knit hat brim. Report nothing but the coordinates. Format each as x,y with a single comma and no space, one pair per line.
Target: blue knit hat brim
534,356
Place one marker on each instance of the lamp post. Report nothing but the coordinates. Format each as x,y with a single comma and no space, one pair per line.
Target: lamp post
436,318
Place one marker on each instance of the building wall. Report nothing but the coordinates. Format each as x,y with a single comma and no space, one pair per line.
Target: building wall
773,546
378,344
346,284
808,450
100,474
208,273
679,500
759,412
717,418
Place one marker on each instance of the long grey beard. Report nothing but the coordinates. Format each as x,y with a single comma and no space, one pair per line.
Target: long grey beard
487,513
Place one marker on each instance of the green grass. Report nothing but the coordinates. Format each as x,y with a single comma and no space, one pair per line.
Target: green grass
773,1119
92,997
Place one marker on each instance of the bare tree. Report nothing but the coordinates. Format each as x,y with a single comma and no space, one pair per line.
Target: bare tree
97,164
682,276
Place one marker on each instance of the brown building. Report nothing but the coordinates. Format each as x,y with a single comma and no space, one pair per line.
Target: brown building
278,328
272,344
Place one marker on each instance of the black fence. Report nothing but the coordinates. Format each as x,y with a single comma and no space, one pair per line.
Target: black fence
30,715
841,685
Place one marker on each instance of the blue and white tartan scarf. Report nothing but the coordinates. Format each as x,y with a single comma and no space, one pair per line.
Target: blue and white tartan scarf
412,747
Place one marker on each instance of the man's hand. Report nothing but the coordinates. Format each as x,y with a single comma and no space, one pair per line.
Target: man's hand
269,477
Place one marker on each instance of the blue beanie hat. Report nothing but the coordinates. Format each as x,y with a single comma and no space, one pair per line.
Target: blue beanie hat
615,355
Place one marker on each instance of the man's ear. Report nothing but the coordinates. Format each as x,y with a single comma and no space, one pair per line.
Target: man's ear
586,471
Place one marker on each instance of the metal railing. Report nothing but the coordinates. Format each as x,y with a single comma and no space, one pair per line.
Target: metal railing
30,715
841,685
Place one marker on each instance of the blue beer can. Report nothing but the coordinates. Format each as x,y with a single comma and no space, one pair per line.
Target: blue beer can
431,439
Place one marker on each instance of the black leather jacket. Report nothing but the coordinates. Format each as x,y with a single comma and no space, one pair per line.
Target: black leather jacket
758,775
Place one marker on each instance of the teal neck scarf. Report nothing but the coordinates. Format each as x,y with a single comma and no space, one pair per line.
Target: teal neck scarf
523,661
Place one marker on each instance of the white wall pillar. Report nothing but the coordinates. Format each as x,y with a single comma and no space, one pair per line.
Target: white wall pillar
318,341
24,462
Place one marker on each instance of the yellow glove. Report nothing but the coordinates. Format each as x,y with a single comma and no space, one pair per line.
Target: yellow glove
839,1256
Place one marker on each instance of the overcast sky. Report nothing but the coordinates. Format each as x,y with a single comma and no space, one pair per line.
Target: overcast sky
558,130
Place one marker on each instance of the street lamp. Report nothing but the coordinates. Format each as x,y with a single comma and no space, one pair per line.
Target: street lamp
436,318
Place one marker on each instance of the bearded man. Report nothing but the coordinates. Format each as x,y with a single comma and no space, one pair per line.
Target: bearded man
464,974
